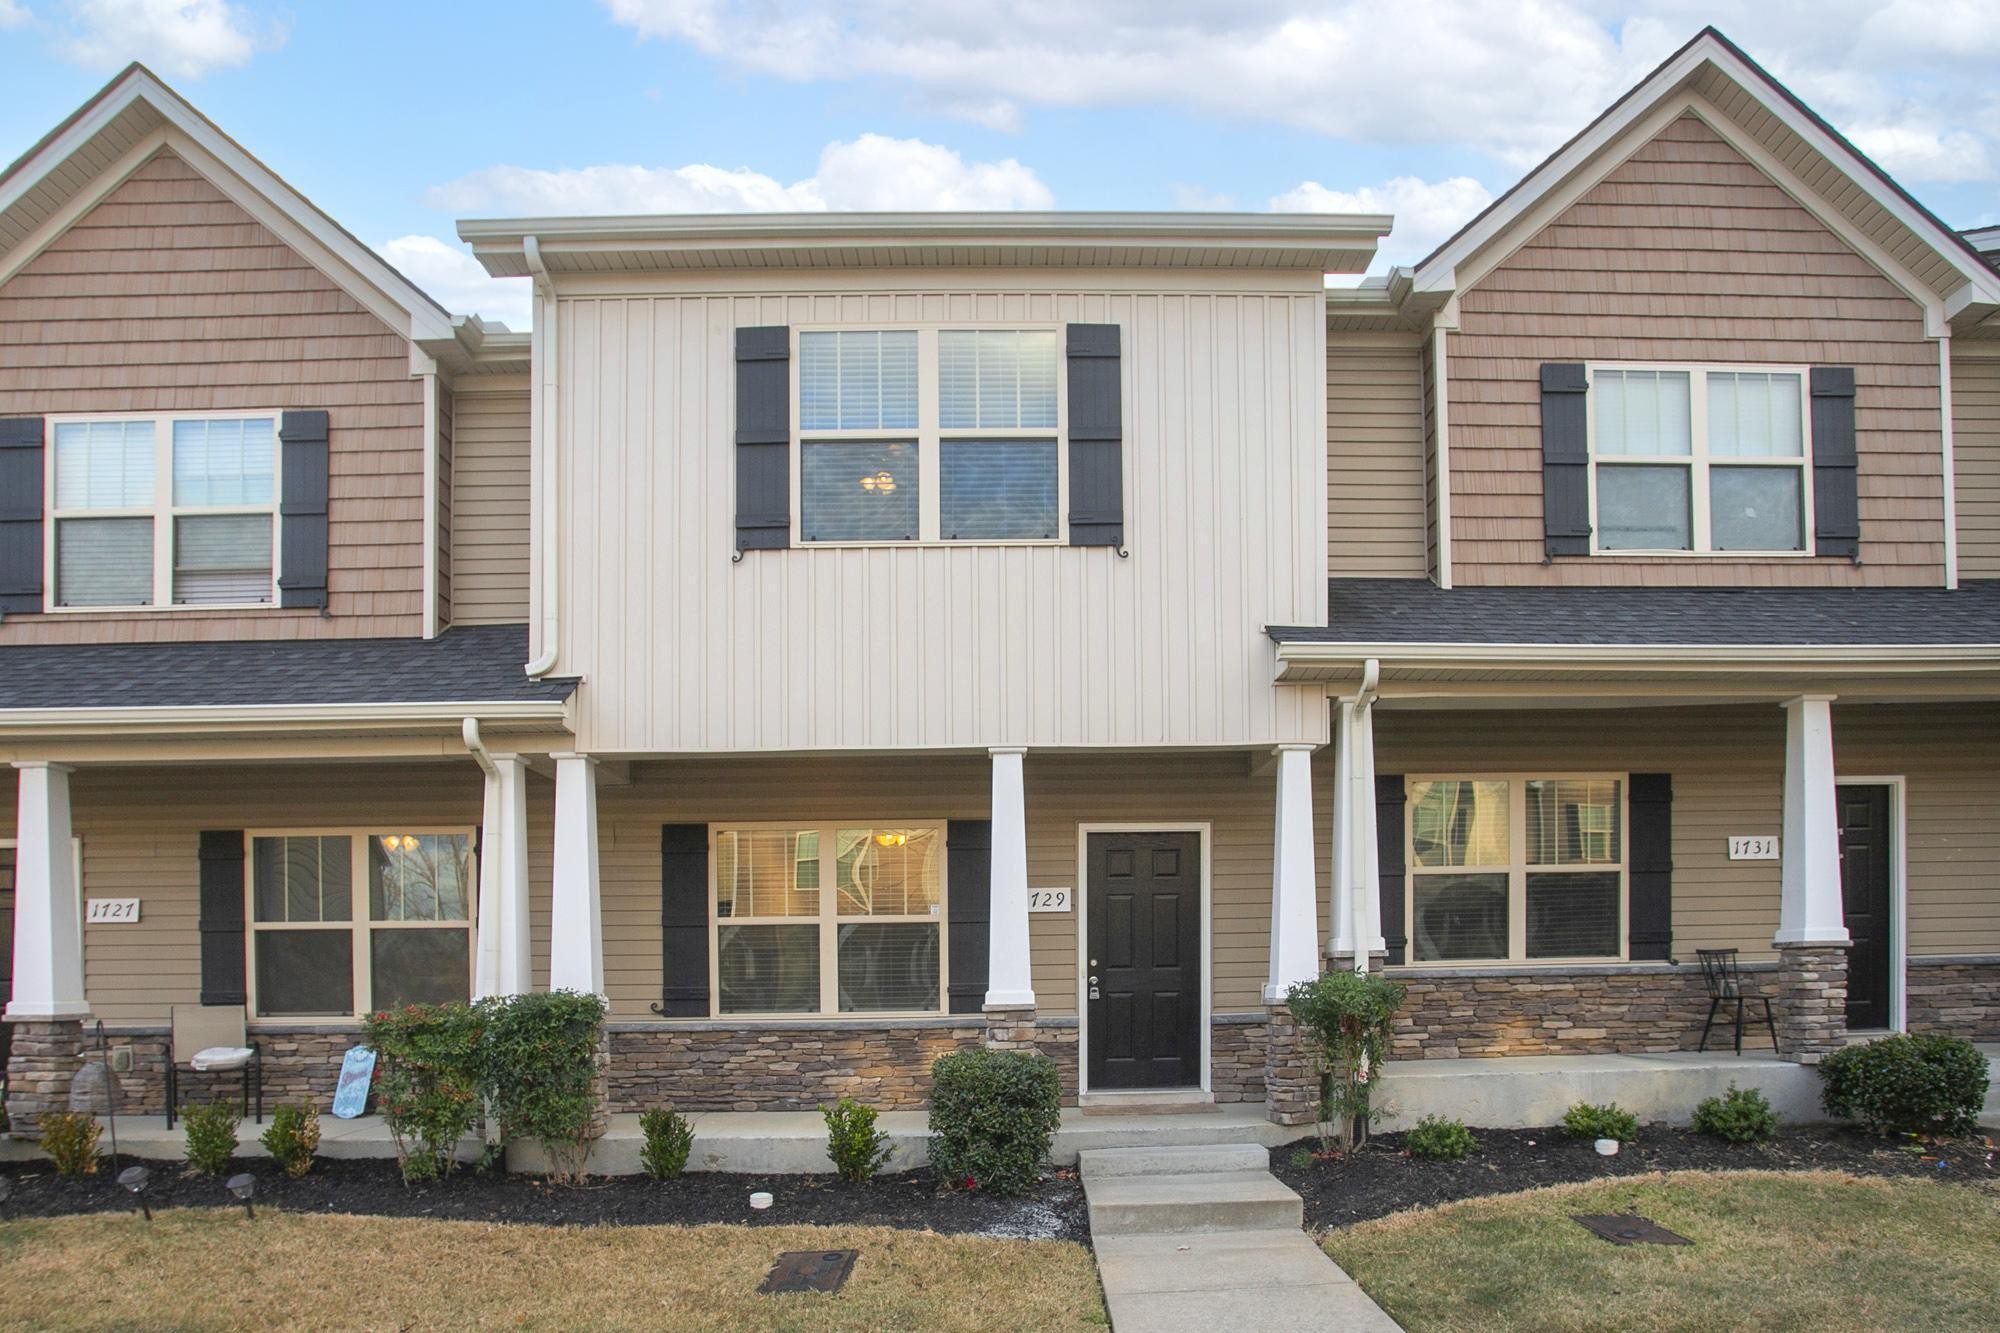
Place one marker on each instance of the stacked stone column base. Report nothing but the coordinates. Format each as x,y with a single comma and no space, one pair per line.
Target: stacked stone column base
1010,1027
1291,1075
45,1058
1811,1001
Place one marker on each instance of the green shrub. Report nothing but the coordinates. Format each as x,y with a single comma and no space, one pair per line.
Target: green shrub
427,1082
1740,1116
1348,1017
857,1149
1922,1084
1601,1122
293,1137
993,1116
669,1138
537,1057
211,1137
1440,1140
70,1140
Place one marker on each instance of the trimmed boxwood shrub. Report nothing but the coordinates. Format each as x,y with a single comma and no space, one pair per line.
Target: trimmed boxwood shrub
1742,1115
1609,1121
993,1116
211,1137
1907,1084
1440,1140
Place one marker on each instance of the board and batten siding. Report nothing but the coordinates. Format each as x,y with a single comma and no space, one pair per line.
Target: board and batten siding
1375,430
946,646
1975,442
1688,252
490,479
168,296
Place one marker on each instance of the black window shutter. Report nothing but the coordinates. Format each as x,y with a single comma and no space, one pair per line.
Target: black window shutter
1096,437
1389,863
302,510
20,514
763,438
1836,499
222,945
683,921
1649,919
969,888
1565,461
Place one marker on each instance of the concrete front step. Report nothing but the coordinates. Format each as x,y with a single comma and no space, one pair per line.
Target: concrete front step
1175,1101
1104,1163
1197,1201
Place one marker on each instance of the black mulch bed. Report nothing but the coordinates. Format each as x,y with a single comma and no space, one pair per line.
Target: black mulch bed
910,1200
1381,1178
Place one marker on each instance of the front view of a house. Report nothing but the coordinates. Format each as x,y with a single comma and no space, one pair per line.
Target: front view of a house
840,639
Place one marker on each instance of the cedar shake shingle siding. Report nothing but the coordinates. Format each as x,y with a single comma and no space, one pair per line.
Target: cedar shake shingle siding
1687,252
168,296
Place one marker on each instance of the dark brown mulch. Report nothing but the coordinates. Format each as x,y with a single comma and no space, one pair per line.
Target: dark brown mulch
1381,1178
910,1200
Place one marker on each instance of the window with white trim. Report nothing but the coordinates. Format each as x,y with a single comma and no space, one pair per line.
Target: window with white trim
828,919
1516,869
350,922
929,434
1700,459
163,511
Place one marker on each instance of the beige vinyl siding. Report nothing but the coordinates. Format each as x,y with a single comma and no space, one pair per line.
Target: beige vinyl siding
1375,431
1687,252
1975,442
489,556
168,296
965,646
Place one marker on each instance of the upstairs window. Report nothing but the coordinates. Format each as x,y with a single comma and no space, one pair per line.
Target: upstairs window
164,511
929,435
1697,459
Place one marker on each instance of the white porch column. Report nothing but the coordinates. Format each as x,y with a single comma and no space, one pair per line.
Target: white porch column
504,963
1010,983
576,921
48,916
1357,905
1294,905
1809,908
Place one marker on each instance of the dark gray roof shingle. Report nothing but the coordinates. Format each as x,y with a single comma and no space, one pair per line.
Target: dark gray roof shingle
1417,611
475,663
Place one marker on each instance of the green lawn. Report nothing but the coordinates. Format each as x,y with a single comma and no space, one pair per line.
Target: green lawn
1811,1250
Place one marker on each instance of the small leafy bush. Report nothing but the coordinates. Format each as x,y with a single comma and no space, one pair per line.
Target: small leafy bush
993,1116
537,1058
70,1140
858,1150
1741,1115
427,1082
1440,1140
293,1137
1907,1084
211,1137
1601,1122
669,1138
1348,1015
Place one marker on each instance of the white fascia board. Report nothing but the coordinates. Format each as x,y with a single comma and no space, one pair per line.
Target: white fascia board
212,715
1558,657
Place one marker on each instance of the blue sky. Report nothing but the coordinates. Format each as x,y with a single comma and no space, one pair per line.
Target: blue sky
397,118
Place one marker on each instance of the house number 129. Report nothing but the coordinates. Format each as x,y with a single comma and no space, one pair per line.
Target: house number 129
1048,900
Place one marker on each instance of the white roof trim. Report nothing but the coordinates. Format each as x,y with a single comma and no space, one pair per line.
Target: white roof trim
1887,659
386,715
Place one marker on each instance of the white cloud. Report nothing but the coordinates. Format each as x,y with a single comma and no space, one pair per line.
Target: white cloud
871,172
180,38
1916,151
1426,212
13,14
457,282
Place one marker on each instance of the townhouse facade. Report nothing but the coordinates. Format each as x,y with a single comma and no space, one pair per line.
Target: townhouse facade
843,639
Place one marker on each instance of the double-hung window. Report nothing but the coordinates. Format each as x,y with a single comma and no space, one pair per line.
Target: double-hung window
163,511
929,435
348,923
829,919
1527,869
1700,459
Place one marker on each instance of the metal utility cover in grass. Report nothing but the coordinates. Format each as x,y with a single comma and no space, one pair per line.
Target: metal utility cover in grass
1629,1229
809,1270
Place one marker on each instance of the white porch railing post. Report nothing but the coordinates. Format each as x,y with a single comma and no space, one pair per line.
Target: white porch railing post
1294,887
1356,906
576,922
1010,982
48,916
1810,909
504,958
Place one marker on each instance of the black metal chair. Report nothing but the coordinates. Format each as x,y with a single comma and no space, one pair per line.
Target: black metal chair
1724,979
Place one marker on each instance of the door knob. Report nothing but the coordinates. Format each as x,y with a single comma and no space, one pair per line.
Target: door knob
1093,962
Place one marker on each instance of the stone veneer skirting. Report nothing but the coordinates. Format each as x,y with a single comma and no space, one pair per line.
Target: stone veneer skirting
1958,996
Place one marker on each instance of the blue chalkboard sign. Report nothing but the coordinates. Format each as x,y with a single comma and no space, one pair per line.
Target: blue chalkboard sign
357,1071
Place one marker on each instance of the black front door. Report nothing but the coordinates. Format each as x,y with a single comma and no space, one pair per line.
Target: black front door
1144,980
6,948
1864,891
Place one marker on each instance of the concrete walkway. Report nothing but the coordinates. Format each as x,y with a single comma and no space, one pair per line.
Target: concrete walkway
1206,1239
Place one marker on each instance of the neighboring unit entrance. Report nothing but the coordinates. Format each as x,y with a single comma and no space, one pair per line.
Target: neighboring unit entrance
6,951
1865,893
1143,984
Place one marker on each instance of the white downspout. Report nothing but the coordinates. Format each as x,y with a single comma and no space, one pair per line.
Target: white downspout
543,441
1361,773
